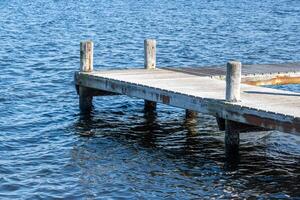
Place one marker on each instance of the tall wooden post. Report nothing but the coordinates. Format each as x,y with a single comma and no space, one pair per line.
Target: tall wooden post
150,64
233,82
150,53
86,65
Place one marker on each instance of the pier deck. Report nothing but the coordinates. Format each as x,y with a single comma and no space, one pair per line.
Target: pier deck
259,106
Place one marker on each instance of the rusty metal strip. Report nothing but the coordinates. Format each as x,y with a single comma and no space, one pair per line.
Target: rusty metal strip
279,80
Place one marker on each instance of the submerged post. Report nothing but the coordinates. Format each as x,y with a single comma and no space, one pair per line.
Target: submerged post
150,64
86,65
190,114
233,82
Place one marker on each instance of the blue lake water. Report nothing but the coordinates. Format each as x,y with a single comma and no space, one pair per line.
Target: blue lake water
130,156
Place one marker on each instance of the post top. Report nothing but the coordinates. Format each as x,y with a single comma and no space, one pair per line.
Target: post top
150,40
234,62
86,41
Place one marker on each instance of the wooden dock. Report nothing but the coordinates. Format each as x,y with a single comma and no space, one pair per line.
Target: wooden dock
238,103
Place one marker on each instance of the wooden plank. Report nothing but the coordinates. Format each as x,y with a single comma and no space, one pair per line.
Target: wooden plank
246,69
130,71
154,76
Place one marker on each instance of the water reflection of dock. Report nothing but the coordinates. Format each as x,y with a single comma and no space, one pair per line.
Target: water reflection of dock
238,103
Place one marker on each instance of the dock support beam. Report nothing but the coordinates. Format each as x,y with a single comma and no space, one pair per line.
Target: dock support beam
233,85
86,65
150,64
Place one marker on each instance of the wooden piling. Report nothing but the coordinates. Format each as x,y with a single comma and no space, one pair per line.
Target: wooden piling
150,53
150,106
232,136
221,123
86,56
85,100
86,65
150,64
190,122
190,114
233,82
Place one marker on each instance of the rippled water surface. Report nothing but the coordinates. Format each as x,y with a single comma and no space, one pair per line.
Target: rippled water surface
131,155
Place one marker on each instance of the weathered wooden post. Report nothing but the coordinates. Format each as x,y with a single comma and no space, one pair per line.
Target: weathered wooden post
150,53
150,64
86,65
233,87
233,81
